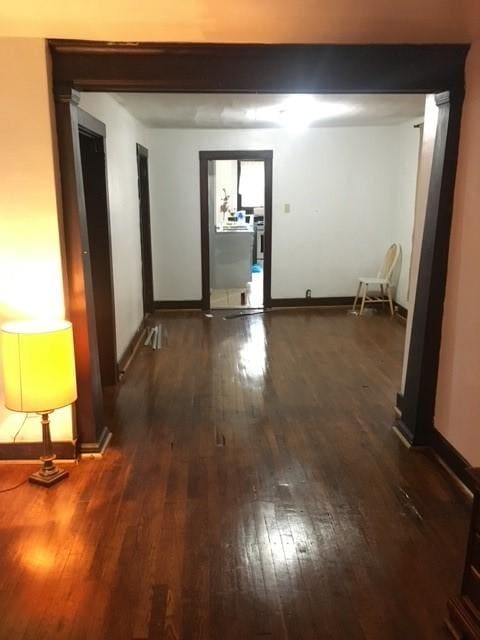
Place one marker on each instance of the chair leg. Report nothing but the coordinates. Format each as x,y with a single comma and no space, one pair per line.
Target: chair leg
365,287
356,297
382,291
390,301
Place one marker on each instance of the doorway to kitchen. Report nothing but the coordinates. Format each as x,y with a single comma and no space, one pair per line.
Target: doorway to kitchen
236,228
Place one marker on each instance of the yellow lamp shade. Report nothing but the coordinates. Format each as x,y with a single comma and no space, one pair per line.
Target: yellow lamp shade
38,365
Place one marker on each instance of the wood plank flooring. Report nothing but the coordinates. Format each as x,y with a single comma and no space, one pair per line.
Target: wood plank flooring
253,489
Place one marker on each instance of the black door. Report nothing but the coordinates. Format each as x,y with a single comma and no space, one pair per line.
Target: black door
98,226
145,233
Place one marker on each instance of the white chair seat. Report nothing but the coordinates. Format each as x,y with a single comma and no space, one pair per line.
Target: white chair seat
373,280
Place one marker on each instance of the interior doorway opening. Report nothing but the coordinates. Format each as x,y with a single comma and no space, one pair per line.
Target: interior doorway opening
325,69
236,228
236,219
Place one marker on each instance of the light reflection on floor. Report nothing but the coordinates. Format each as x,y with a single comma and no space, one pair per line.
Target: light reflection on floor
253,354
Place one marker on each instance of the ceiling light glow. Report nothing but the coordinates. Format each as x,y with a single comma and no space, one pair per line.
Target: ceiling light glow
299,112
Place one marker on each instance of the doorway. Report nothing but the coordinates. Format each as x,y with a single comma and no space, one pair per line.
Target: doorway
145,232
236,228
92,151
380,69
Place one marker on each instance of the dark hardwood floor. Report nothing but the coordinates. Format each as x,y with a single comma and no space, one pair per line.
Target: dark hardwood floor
253,489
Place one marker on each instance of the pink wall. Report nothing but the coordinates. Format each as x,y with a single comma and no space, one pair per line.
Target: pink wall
457,414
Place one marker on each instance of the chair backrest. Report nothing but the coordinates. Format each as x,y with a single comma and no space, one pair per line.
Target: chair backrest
389,262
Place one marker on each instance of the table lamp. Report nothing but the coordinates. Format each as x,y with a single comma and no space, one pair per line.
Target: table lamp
39,376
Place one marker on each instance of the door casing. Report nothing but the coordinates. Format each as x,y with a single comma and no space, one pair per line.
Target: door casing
205,157
212,68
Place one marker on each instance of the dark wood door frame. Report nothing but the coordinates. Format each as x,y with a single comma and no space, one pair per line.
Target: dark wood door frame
145,230
158,67
267,157
93,435
418,402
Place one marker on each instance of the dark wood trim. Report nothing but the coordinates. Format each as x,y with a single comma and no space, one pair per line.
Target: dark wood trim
463,619
239,196
238,154
332,301
33,450
132,347
267,234
178,304
204,234
399,402
297,68
422,370
103,66
80,305
145,230
401,311
451,457
266,156
329,301
403,430
97,447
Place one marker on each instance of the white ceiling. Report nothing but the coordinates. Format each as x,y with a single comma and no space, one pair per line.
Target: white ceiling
229,111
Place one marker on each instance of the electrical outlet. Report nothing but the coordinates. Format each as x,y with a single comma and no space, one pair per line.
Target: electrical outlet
286,208
308,293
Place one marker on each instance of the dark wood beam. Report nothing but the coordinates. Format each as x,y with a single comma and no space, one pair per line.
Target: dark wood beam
100,66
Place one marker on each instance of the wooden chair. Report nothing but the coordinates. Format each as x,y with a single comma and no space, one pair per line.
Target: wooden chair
382,282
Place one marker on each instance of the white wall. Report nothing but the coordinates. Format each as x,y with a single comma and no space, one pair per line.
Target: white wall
122,134
403,215
344,186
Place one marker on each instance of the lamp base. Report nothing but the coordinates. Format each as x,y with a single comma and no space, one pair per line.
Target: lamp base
47,480
48,473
